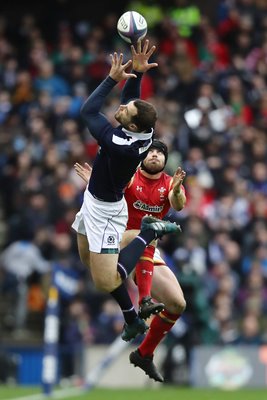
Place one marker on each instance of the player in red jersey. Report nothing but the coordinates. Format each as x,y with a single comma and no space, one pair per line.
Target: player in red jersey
151,191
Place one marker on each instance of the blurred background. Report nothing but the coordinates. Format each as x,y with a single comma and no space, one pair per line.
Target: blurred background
210,91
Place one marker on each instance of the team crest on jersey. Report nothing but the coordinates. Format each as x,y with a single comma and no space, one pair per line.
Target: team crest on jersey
110,239
162,191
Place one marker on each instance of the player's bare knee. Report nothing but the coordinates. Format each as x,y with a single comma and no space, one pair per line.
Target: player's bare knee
181,305
177,306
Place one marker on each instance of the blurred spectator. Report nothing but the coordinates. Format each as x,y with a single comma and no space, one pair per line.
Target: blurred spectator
250,331
77,332
47,81
19,261
109,322
186,17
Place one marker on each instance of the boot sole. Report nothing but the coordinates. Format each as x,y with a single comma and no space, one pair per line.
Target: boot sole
148,314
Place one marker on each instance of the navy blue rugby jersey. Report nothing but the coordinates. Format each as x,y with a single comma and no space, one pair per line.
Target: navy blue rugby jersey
120,151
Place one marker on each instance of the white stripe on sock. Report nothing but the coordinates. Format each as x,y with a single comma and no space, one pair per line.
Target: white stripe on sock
142,240
124,270
131,309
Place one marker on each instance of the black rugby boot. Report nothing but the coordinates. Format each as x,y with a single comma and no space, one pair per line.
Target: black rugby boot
146,364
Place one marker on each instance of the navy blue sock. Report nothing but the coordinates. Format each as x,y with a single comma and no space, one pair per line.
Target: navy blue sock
122,297
129,256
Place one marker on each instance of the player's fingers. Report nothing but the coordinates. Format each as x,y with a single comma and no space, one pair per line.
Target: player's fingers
145,46
114,60
133,50
152,65
139,46
178,171
151,51
115,57
77,168
131,76
120,58
126,65
87,166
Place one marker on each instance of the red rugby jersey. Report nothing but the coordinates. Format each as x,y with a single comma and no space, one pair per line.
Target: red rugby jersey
147,196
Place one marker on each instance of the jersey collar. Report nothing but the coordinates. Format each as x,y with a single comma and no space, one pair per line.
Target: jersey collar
139,136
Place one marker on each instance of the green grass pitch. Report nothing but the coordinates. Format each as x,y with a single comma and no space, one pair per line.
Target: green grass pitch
159,393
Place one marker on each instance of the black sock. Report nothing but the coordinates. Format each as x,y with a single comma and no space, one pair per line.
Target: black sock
130,255
122,297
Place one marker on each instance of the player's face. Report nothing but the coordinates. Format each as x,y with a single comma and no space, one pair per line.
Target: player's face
125,113
154,161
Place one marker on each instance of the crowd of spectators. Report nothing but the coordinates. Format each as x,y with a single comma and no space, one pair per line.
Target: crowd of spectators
210,91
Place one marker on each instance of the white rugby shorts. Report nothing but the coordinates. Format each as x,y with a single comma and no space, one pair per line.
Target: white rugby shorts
102,222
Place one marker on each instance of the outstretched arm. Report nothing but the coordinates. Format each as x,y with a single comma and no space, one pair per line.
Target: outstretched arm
177,195
140,65
95,121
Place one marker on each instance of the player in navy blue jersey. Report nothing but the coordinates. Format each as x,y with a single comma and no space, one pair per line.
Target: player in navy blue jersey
103,216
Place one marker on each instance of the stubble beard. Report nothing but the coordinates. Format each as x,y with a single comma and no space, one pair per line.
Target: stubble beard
152,170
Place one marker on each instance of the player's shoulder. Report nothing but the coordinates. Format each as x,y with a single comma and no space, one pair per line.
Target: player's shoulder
167,180
166,177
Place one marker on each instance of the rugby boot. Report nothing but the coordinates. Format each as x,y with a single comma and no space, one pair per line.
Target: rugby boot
130,331
149,307
146,364
159,226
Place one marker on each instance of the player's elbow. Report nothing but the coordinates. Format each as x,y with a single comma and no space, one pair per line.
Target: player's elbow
87,109
84,110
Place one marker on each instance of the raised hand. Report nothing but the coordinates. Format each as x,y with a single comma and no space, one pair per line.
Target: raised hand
83,172
178,179
141,57
118,69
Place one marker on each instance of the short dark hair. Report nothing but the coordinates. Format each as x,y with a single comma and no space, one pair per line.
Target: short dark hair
146,116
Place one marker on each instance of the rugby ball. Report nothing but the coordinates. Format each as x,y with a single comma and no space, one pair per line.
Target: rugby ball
132,27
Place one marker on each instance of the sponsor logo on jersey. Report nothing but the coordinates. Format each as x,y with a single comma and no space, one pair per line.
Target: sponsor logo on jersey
139,205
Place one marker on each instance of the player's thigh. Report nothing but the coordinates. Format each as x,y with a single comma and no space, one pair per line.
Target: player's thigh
104,272
127,237
166,289
83,248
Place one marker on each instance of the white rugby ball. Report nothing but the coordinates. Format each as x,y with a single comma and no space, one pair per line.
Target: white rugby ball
132,27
